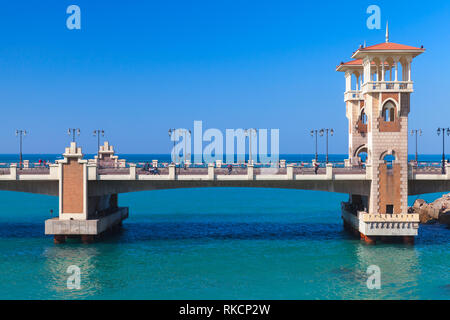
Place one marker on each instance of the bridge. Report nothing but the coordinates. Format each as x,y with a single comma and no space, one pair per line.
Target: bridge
89,199
114,176
377,99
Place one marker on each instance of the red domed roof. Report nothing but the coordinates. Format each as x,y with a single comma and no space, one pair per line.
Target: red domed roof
390,46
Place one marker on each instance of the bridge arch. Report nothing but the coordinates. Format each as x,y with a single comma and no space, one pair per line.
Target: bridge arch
362,149
388,157
387,153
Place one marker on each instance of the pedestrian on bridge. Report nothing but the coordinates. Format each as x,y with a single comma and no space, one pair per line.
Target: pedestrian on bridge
316,167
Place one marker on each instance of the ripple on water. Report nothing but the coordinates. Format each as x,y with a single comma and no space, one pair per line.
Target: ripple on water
273,252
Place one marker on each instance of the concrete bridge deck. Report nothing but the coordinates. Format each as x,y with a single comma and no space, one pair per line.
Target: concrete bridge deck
107,179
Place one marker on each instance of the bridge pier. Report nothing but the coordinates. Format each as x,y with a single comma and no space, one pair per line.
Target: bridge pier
377,113
379,227
80,215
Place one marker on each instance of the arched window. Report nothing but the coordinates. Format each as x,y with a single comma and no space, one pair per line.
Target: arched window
389,160
361,153
363,117
363,156
389,111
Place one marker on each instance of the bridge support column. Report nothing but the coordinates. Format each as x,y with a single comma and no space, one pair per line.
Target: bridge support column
383,215
368,239
58,239
80,215
372,228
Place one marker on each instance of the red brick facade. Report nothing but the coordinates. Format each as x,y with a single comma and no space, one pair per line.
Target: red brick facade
72,187
389,187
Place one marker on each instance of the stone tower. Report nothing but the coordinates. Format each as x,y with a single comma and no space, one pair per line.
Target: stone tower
377,96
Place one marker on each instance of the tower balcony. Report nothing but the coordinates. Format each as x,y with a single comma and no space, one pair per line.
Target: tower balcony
383,86
353,95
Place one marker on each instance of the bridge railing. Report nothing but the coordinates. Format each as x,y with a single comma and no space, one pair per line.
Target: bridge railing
427,167
25,168
33,170
111,169
234,168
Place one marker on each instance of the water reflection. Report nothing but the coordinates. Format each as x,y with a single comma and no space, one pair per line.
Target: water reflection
59,258
104,268
399,265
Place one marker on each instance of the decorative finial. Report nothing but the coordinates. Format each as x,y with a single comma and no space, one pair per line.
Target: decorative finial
387,31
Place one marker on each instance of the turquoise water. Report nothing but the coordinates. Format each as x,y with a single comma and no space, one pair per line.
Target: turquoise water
217,244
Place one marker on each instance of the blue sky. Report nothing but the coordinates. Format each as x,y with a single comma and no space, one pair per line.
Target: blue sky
138,68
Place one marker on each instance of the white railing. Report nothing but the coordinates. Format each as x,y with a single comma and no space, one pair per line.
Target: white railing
353,95
405,86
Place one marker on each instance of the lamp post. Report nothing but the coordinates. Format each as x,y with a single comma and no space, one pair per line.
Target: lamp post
172,131
73,131
248,132
314,133
416,132
97,133
326,131
443,145
20,134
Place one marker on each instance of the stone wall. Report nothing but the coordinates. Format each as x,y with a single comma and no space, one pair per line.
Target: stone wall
382,143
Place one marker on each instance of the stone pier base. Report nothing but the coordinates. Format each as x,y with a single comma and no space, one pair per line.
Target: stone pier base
86,230
373,228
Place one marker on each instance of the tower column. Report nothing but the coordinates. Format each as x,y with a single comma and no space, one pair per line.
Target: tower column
382,212
396,69
409,69
80,215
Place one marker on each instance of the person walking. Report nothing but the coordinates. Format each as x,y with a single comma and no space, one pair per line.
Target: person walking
316,167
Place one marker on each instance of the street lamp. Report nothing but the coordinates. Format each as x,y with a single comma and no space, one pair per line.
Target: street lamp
97,133
443,145
172,131
20,134
326,131
314,133
416,132
248,132
73,131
